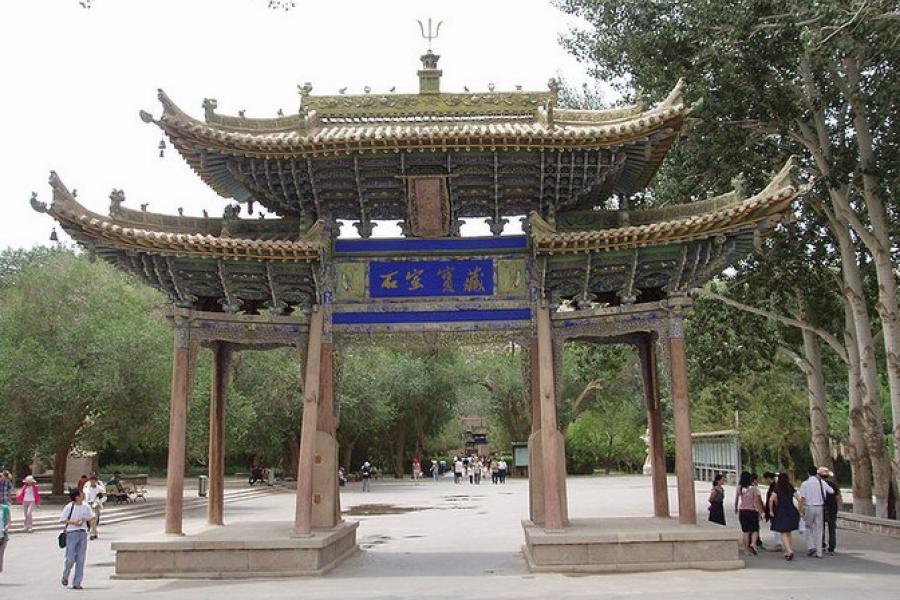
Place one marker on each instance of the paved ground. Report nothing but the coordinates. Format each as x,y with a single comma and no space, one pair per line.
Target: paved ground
464,542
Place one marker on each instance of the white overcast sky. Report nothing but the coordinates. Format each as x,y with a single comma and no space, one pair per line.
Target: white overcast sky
73,80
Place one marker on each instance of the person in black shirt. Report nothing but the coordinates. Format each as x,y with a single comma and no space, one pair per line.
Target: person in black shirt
769,478
832,505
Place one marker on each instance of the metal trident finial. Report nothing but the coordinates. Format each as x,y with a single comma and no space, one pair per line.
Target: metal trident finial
431,34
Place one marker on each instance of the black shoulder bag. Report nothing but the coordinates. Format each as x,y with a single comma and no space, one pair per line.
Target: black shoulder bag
61,538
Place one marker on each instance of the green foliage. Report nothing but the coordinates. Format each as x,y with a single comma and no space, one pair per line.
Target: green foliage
263,412
602,408
497,376
83,356
391,402
759,73
607,436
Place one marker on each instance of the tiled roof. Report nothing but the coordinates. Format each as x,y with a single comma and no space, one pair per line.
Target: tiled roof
763,211
92,228
312,134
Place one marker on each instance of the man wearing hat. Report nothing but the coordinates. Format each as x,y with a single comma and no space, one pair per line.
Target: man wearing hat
813,492
832,506
95,496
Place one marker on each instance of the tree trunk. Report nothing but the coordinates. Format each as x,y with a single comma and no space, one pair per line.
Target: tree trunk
820,438
346,456
858,453
609,453
878,242
819,143
398,456
887,311
871,401
59,470
420,432
791,465
292,456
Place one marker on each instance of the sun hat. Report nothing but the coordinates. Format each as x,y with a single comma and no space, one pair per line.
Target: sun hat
28,479
825,472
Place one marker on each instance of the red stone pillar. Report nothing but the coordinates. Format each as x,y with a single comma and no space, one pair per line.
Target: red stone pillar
326,497
183,361
647,354
303,515
551,442
535,387
535,456
221,374
684,463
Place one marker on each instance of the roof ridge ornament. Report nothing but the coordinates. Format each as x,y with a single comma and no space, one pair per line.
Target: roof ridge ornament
209,108
116,200
539,225
430,36
429,74
36,204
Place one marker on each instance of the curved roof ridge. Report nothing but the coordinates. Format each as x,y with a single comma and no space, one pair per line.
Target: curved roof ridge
570,116
771,201
91,228
445,109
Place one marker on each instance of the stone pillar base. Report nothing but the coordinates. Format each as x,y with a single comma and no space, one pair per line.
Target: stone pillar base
629,544
238,551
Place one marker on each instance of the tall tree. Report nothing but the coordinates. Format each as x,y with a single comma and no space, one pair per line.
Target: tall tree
810,77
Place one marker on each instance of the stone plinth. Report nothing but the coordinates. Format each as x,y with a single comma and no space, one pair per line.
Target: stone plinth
242,550
617,545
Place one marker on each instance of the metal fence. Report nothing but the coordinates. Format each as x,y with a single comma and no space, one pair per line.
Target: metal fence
716,452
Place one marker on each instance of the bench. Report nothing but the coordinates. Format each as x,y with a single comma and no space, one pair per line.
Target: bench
126,491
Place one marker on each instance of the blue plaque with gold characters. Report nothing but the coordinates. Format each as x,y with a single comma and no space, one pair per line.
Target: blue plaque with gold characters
430,278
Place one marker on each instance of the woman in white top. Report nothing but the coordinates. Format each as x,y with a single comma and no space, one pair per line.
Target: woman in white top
77,516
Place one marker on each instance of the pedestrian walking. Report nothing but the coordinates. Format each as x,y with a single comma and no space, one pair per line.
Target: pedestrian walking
95,496
717,500
4,530
435,470
501,470
748,505
476,471
6,486
832,506
366,475
416,469
29,496
82,481
813,491
77,516
457,470
785,515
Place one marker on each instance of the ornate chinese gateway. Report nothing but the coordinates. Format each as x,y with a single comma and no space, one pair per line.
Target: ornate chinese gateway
428,161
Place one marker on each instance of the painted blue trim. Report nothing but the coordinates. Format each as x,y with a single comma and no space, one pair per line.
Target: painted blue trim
430,316
508,242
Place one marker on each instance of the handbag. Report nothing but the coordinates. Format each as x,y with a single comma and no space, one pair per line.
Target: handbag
61,538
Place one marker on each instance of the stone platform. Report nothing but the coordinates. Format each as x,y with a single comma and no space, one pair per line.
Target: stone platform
628,544
242,550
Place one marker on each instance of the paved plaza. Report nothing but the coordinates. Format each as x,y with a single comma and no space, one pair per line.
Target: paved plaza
440,540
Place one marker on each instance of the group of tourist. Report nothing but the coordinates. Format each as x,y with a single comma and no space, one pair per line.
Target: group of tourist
80,518
816,503
477,468
472,468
